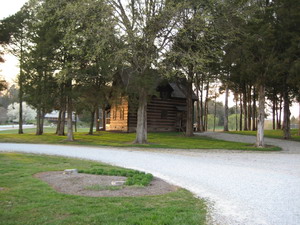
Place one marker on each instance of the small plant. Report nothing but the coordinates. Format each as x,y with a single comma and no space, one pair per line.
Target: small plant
134,177
98,187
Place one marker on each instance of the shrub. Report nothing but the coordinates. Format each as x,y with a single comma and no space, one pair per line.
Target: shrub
134,177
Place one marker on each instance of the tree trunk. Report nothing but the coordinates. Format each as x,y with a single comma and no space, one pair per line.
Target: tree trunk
189,111
277,114
141,128
75,122
236,116
286,116
241,112
70,135
92,122
103,118
201,108
226,109
254,110
280,114
58,122
299,121
215,113
206,108
245,110
97,119
261,118
21,92
274,114
249,108
38,122
198,108
42,122
61,131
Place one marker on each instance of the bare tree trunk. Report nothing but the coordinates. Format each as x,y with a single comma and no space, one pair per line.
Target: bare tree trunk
103,118
42,122
21,92
61,131
92,122
206,108
38,121
286,116
201,108
261,118
249,108
299,120
274,114
189,111
198,108
277,114
97,119
58,122
70,135
241,112
280,113
215,113
254,110
245,110
141,128
236,117
75,122
226,109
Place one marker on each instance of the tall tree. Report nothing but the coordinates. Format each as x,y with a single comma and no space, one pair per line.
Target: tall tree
145,27
287,29
14,30
195,48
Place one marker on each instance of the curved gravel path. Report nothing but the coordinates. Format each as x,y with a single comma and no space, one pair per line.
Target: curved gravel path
287,146
241,187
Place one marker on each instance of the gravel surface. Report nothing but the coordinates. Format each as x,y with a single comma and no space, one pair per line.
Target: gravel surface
288,146
240,187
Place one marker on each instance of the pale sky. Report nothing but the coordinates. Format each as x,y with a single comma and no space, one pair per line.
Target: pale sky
10,69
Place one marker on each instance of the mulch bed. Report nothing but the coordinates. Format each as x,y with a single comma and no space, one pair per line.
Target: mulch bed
76,184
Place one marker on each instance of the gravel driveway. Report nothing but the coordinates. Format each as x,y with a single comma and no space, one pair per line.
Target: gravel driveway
288,146
240,187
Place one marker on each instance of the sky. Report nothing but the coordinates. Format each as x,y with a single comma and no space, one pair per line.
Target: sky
9,69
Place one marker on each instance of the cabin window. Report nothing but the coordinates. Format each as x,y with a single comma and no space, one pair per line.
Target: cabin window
122,114
164,114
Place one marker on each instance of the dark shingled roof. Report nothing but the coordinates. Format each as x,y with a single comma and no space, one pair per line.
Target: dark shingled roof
178,91
178,88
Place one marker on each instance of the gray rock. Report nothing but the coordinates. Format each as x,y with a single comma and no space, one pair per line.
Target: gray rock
70,171
117,183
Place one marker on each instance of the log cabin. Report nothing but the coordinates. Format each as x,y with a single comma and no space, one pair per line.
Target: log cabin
166,111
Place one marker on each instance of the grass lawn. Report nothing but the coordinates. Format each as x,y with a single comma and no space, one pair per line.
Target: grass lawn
156,140
271,133
27,200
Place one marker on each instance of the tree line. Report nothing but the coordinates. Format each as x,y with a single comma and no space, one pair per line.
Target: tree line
70,53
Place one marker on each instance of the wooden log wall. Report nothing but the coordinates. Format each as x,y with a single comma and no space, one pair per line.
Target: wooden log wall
119,117
162,115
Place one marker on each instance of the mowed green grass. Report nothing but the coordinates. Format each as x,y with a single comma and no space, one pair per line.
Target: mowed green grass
25,199
271,134
156,140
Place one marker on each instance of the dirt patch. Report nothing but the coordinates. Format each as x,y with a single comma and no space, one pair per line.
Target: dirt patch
82,184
